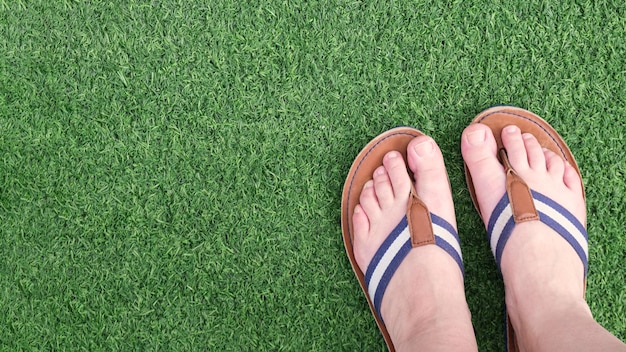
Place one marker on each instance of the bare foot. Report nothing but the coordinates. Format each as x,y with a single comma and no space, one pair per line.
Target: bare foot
543,275
424,305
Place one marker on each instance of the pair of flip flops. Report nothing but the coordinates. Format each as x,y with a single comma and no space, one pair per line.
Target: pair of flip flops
420,227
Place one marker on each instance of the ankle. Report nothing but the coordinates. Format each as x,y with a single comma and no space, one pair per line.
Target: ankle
427,314
432,319
564,327
539,268
439,332
540,309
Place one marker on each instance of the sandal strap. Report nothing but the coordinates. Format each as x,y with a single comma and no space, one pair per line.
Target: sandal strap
502,222
395,248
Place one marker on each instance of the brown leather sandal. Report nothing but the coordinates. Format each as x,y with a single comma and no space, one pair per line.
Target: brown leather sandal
419,227
520,203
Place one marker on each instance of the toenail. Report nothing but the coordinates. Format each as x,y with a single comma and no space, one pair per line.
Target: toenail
379,171
368,184
476,138
424,148
527,136
392,155
511,129
357,210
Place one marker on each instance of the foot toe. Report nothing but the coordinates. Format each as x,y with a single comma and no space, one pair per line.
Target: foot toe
431,179
397,173
361,223
572,179
479,148
536,158
554,163
382,187
515,148
368,200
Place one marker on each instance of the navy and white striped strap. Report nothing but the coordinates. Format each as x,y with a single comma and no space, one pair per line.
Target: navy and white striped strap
554,215
396,247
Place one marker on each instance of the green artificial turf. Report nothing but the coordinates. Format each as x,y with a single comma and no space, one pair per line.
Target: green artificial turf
171,171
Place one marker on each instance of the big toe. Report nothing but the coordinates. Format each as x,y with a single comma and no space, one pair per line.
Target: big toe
431,179
479,149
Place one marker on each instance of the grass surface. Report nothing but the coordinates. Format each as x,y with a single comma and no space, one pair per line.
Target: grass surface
171,171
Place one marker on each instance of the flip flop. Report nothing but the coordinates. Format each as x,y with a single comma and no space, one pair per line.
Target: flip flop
520,203
419,227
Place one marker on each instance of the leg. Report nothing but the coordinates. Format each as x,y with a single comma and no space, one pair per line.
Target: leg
543,276
424,306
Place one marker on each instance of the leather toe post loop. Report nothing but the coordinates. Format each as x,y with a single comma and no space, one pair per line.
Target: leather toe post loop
420,222
521,199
